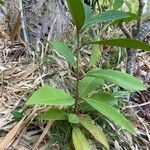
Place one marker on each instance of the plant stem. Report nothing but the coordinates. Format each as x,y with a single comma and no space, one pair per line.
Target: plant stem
77,73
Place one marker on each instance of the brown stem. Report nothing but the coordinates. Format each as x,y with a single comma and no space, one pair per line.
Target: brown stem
125,30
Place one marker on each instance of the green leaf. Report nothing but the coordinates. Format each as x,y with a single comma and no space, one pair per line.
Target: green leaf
105,97
117,4
128,43
88,84
119,78
64,50
73,118
112,114
95,55
17,115
106,16
53,114
128,19
77,11
88,13
131,17
84,106
94,130
47,95
79,140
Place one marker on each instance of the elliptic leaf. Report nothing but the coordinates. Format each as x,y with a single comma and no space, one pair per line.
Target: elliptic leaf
88,84
79,140
94,130
53,114
65,51
112,114
105,97
47,95
73,118
128,43
119,78
77,11
95,55
131,17
107,16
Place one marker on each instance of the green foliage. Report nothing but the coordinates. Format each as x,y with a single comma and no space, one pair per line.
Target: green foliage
60,133
131,17
95,55
47,95
73,118
111,15
53,114
64,51
95,131
105,97
77,11
112,114
128,43
124,80
79,140
118,4
84,106
87,96
88,13
17,115
88,84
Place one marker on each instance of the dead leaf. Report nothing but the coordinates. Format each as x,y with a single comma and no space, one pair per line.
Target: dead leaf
43,134
20,147
11,134
31,68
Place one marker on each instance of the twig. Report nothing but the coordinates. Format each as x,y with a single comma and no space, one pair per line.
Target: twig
125,31
130,52
130,61
140,12
145,126
138,105
23,26
48,126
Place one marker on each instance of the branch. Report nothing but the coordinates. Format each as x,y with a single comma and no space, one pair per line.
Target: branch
130,51
140,12
125,31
